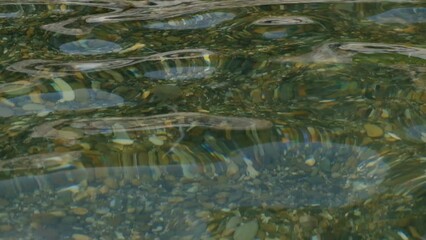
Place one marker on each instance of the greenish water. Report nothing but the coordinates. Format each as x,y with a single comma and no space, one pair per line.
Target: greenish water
213,120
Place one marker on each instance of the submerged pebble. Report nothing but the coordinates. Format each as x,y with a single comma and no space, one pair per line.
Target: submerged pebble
5,112
373,130
197,21
89,47
77,236
156,140
246,231
79,211
310,162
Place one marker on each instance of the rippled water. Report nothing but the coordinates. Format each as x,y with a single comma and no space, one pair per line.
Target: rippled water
233,119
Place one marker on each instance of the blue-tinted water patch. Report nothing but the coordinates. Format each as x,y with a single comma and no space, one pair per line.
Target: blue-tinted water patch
416,133
89,47
84,99
275,34
401,15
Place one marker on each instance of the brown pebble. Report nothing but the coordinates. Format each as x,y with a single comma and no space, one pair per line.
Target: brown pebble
310,162
269,227
6,228
103,190
256,95
373,131
77,236
43,219
5,112
3,202
308,222
246,231
423,108
232,169
176,199
79,211
111,183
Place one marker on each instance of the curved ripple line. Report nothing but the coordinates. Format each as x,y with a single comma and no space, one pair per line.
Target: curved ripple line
283,21
162,121
343,52
59,27
40,162
41,67
371,48
145,11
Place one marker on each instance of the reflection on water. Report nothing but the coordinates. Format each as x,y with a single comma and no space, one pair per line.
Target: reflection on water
200,119
282,27
344,52
52,68
401,16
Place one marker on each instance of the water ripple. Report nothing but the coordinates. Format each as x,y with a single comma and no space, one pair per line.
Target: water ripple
51,68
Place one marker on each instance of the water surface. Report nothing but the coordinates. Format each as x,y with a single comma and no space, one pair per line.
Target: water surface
227,119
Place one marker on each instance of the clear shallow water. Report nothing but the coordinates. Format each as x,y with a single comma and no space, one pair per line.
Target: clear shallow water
210,119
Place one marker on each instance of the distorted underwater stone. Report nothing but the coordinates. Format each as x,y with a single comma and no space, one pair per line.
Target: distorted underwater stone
401,16
344,52
279,27
198,21
80,99
161,121
54,68
89,47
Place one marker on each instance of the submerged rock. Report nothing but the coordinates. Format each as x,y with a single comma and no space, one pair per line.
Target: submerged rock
89,47
198,21
246,231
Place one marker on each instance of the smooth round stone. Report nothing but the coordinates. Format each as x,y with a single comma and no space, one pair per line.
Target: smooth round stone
166,92
246,231
198,21
89,47
82,95
275,34
123,141
79,211
6,228
5,112
156,140
310,162
373,131
77,236
33,107
16,88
